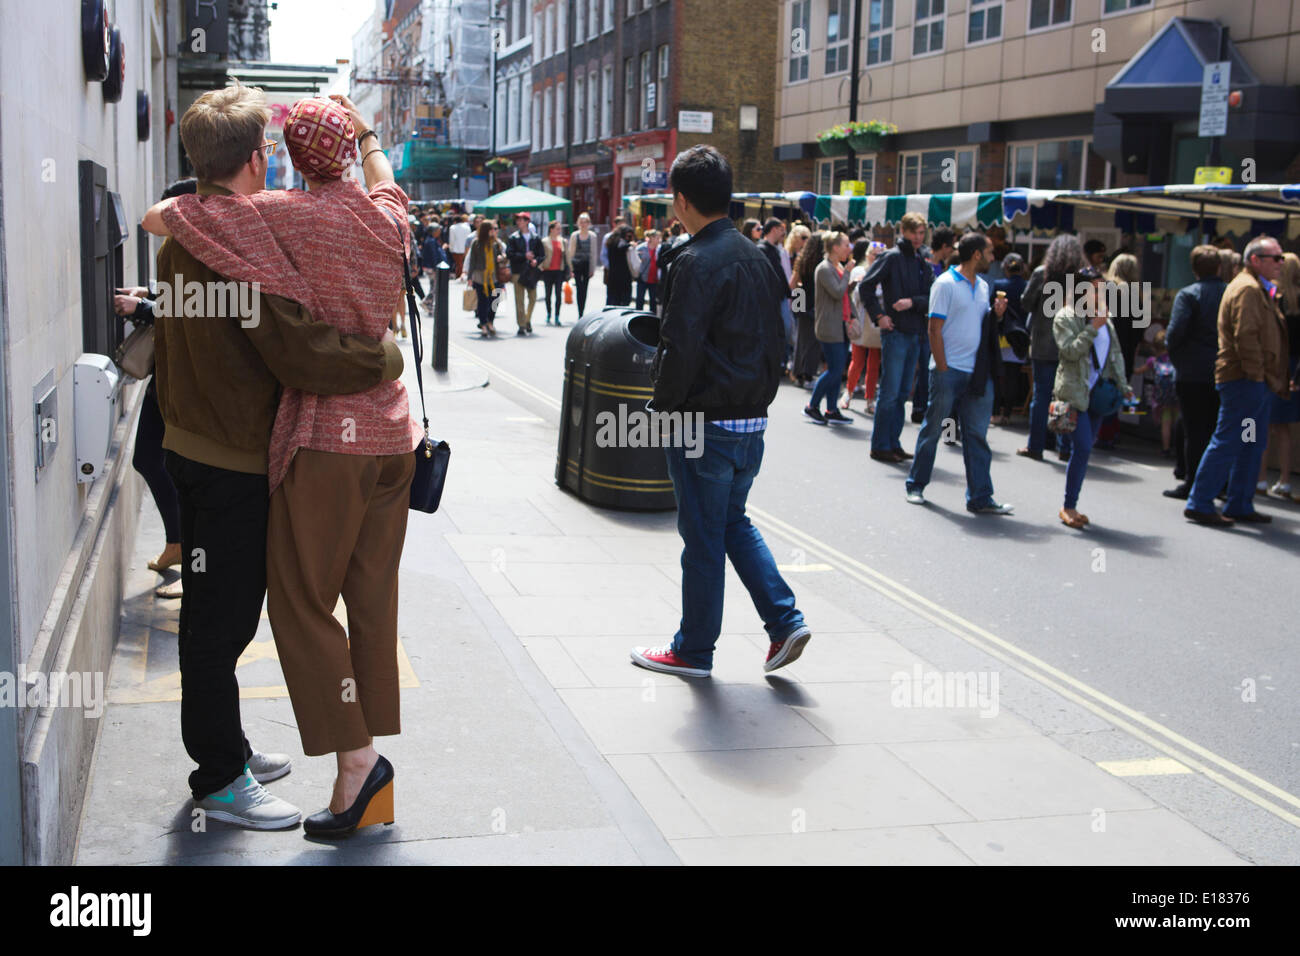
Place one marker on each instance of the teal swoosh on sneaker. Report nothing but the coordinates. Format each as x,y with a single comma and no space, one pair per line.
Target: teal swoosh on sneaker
228,798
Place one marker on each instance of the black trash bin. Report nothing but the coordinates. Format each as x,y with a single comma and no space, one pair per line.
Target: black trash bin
607,382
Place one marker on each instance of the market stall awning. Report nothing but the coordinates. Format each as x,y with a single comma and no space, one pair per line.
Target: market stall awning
951,209
1241,201
523,199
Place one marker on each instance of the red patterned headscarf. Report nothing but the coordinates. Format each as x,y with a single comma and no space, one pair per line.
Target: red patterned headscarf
321,138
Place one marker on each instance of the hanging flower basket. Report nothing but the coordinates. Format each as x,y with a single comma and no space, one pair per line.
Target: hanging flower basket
870,136
498,164
834,141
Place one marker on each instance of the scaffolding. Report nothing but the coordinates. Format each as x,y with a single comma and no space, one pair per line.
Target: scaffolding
466,69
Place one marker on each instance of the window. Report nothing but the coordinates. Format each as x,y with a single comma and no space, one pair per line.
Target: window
501,114
838,32
1123,6
867,173
880,32
830,174
548,41
937,171
525,113
515,132
537,121
607,109
518,17
609,14
593,104
1048,13
800,15
629,96
1052,164
985,21
548,118
561,26
632,6
927,28
579,22
593,18
648,90
561,116
661,91
537,32
579,108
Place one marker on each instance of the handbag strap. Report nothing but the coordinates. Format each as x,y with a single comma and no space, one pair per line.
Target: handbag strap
417,343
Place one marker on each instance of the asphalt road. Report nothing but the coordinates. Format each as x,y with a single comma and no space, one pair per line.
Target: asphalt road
1192,629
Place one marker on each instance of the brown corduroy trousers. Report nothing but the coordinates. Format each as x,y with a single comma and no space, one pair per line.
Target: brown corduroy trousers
336,527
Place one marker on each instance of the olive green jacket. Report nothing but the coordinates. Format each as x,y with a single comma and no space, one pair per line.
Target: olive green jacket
1074,336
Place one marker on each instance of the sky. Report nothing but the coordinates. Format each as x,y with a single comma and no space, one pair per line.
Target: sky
317,32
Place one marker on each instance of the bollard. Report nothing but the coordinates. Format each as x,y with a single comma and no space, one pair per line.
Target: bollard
440,322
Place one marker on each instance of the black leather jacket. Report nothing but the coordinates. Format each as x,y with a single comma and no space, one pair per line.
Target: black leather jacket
722,339
517,248
903,274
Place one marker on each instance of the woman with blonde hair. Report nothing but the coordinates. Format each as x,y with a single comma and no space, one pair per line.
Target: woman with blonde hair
340,466
1286,411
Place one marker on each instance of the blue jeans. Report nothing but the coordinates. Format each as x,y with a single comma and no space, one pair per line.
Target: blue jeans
921,392
1044,383
948,391
642,288
898,351
1229,458
787,319
828,385
1081,439
711,492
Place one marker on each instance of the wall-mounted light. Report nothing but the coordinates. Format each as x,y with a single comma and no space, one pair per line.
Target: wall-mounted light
749,117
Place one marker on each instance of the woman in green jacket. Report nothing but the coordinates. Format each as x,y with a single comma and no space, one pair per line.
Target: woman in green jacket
1090,352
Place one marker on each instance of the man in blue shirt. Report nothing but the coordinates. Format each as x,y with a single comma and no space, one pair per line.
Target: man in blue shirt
964,359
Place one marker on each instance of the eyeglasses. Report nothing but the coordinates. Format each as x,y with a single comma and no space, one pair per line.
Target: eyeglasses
1262,255
268,147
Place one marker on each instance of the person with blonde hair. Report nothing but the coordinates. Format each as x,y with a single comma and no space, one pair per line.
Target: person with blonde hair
219,383
1286,411
340,466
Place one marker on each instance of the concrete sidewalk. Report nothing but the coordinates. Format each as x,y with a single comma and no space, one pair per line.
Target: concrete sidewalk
528,737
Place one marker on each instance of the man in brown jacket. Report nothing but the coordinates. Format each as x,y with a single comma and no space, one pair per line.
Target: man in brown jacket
1252,362
222,354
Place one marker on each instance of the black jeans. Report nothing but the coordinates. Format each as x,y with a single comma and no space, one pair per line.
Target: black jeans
1199,404
148,460
223,573
580,279
554,281
651,287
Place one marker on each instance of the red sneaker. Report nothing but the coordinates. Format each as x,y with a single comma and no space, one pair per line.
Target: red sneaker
784,651
665,659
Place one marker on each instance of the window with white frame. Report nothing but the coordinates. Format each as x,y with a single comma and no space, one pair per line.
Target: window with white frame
839,16
607,106
927,27
548,43
830,174
525,111
880,32
537,121
562,26
1122,6
579,22
629,95
593,104
1049,13
632,7
502,115
516,15
648,90
561,114
984,21
937,171
609,15
515,131
661,92
800,17
593,18
548,118
537,33
579,108
1049,164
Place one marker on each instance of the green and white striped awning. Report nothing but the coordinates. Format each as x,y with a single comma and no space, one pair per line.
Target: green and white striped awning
952,209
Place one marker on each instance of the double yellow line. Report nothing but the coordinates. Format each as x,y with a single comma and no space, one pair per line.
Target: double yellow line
1222,771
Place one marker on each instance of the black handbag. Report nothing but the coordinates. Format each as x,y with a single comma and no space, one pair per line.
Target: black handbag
431,458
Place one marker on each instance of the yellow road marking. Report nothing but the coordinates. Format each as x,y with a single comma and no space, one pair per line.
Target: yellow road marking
1155,766
1210,765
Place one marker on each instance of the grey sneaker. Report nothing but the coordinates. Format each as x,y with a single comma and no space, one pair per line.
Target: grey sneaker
993,508
915,498
246,803
268,767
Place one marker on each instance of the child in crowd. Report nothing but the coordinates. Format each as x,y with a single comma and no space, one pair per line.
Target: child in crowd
1160,390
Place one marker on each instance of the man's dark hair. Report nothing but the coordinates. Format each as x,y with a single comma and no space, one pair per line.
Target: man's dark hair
703,176
1206,261
860,248
943,236
970,244
1093,246
771,224
856,233
1013,264
182,187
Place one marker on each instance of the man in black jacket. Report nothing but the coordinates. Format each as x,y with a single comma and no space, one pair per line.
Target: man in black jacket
524,250
718,362
1193,342
905,278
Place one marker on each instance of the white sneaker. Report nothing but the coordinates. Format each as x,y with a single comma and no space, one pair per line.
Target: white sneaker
246,803
1280,490
1261,487
915,498
268,767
